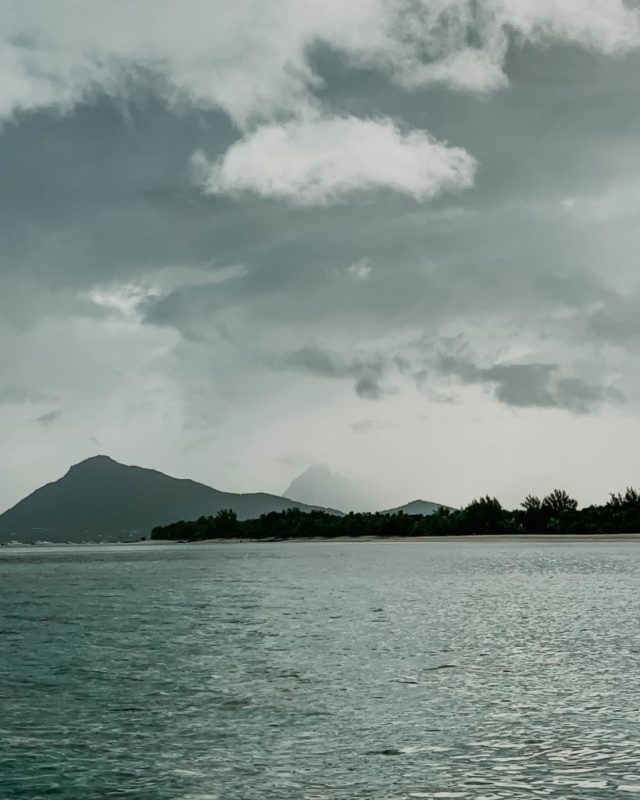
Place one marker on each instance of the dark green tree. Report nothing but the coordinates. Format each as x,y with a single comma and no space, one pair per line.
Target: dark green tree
532,517
531,503
483,516
558,501
225,523
559,509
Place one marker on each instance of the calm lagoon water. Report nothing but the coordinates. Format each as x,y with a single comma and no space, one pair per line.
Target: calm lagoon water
311,671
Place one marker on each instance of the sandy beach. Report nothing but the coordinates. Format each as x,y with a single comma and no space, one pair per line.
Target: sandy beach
480,539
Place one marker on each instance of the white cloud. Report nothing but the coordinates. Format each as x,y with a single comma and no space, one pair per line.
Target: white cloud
607,25
315,162
250,57
360,270
121,300
124,300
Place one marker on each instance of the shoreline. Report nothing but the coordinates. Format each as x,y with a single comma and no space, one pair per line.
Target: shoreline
479,539
495,538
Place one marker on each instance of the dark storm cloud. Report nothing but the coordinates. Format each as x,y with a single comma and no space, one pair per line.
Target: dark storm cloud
104,194
519,385
515,384
531,385
369,388
367,373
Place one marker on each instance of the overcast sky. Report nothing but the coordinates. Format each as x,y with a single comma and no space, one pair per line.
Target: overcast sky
398,237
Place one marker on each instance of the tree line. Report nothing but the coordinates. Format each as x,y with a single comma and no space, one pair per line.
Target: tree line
555,513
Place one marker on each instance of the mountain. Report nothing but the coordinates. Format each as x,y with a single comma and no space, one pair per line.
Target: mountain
100,499
320,486
425,507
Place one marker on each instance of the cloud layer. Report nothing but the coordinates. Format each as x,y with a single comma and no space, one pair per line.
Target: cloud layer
531,385
253,61
252,58
527,384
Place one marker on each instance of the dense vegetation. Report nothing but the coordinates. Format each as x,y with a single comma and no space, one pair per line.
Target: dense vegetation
556,513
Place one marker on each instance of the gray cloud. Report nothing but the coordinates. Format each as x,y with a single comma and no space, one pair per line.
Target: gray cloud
519,385
368,425
532,385
617,321
582,397
49,418
369,388
366,372
20,395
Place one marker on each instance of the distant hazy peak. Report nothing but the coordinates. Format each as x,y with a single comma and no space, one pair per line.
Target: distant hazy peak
321,486
318,471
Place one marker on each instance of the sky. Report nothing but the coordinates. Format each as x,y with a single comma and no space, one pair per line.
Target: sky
396,237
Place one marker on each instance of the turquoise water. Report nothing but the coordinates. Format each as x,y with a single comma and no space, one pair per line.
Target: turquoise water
311,671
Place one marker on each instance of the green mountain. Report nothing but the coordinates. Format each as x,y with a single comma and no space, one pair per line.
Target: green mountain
102,500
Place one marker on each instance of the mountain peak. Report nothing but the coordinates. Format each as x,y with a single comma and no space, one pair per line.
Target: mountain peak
319,485
94,461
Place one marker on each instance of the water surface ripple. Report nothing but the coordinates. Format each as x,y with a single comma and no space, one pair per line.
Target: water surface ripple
320,671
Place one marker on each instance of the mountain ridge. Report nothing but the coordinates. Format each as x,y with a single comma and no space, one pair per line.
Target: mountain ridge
100,499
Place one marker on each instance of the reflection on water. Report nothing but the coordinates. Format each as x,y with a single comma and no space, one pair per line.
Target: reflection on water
437,670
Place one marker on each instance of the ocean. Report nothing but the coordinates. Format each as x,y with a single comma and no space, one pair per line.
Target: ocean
320,671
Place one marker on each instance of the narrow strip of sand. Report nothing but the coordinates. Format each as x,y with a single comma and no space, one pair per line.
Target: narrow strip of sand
476,539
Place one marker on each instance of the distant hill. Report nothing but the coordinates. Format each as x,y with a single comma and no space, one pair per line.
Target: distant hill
102,500
424,507
321,486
